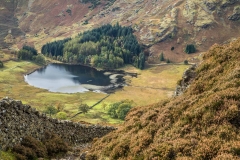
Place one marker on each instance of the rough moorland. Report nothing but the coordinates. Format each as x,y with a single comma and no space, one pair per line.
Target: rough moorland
202,123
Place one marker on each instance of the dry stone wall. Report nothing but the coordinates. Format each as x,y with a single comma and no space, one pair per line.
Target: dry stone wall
18,120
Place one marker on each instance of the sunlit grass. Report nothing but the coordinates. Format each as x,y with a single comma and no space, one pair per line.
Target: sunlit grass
151,86
4,57
6,156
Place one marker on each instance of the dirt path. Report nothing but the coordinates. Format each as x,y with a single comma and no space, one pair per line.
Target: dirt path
7,25
164,64
146,87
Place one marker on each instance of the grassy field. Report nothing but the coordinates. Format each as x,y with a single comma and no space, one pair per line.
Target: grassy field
151,86
6,156
4,56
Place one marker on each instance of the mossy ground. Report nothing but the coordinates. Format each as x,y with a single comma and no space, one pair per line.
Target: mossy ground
6,156
152,85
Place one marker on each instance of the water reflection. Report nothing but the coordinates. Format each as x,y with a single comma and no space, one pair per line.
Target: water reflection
71,78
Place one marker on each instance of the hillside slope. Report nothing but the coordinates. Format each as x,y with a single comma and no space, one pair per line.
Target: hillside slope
9,28
202,123
174,22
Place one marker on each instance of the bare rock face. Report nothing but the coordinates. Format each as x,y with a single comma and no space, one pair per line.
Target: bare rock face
154,22
18,121
9,22
226,3
236,14
188,77
211,5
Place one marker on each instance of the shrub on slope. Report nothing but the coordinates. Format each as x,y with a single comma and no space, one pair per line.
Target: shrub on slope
203,123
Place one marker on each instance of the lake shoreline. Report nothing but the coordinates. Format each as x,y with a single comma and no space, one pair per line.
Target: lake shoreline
13,85
117,71
117,78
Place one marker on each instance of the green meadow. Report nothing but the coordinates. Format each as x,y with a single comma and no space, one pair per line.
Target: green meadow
151,86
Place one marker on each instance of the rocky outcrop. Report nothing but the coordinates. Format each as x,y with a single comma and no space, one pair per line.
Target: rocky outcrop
18,121
188,77
236,14
228,2
211,5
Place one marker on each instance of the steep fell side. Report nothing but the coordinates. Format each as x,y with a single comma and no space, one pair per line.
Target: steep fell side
9,28
158,24
202,123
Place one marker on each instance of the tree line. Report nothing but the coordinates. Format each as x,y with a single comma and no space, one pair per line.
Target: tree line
30,53
105,47
54,48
